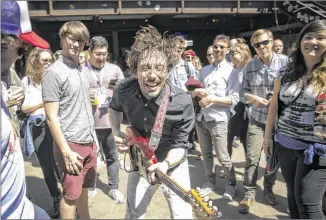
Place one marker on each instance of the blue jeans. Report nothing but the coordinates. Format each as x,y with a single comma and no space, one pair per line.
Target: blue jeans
105,138
306,184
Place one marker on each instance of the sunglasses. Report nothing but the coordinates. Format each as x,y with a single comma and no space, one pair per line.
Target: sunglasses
47,61
264,43
216,46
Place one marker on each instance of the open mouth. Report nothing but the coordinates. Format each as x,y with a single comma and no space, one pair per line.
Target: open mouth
312,48
152,86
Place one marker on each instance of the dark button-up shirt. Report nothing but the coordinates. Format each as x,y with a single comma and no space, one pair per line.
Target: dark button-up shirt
141,113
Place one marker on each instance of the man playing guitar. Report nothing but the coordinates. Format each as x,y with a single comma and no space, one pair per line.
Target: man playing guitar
140,98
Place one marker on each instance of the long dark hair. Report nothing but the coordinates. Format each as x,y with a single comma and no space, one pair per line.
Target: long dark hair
297,67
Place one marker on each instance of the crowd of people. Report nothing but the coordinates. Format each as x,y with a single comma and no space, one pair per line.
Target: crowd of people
71,104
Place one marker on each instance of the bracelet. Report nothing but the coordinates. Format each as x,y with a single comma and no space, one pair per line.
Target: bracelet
169,164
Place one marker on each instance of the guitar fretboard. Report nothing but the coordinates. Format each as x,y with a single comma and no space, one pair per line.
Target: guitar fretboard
176,188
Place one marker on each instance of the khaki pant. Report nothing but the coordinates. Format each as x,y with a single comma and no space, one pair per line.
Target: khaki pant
255,139
214,134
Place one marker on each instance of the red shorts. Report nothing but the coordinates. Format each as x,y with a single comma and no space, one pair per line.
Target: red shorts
72,184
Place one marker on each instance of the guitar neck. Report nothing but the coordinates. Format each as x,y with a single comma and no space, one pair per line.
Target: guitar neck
171,184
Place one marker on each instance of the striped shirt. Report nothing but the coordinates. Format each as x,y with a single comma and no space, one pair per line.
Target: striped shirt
14,203
297,119
258,79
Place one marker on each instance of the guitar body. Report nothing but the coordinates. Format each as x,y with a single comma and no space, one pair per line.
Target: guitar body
142,157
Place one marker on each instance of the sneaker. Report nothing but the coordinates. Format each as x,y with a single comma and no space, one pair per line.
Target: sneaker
116,195
55,213
91,192
206,189
229,193
235,144
270,197
245,205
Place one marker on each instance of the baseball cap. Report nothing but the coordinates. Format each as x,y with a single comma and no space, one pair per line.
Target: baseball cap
15,20
189,53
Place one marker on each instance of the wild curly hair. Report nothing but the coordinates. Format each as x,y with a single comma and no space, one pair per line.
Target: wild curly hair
150,43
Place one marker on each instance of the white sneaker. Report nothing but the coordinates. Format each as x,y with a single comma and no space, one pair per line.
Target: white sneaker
206,189
229,193
116,195
91,192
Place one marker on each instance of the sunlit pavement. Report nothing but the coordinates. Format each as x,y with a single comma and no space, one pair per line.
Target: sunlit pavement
102,207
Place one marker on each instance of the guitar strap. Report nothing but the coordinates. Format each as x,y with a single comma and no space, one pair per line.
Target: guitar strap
157,129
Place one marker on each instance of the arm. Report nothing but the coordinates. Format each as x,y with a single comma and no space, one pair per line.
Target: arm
115,120
247,93
116,117
232,91
71,158
246,82
175,156
222,101
51,111
271,117
29,106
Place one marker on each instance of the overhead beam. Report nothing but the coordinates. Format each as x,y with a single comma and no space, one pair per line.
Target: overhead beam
180,8
272,29
80,12
50,7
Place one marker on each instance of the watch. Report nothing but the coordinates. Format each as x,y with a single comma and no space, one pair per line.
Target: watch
169,164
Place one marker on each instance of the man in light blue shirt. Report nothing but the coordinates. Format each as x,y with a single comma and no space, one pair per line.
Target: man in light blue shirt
220,94
206,70
179,75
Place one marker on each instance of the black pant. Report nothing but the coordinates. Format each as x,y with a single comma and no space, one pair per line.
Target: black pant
105,137
238,127
43,143
306,184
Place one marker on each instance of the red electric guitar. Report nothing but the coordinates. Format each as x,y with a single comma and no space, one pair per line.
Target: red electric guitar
142,157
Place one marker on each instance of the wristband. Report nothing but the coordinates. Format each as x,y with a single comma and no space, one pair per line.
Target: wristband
169,164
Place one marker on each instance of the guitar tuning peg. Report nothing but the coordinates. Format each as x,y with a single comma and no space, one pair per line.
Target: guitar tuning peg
197,189
215,209
210,204
219,215
206,198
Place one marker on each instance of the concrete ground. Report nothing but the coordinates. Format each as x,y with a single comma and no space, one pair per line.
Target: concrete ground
102,207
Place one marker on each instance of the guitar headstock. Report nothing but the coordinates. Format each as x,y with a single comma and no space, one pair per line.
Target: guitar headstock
203,206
